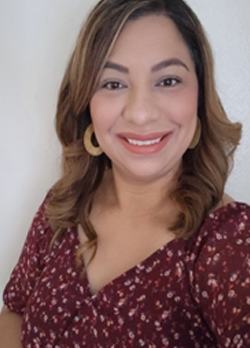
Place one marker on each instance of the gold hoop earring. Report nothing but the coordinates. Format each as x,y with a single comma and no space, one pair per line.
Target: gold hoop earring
87,141
197,135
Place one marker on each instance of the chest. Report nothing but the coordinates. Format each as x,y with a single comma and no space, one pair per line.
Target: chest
117,255
149,305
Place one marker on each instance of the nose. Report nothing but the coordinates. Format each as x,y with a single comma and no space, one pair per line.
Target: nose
141,107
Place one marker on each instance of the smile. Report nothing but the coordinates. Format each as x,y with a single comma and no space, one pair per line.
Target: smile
143,143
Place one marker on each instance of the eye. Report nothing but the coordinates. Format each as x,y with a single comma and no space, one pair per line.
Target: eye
113,85
169,82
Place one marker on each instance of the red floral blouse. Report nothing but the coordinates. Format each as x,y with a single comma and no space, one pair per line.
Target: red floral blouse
191,293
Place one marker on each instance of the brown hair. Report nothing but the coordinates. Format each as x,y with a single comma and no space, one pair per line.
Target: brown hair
205,168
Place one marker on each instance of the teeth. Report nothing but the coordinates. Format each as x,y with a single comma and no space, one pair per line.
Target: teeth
143,143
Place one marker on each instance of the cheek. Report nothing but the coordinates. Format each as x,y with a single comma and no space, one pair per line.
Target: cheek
102,117
95,109
98,112
185,107
104,111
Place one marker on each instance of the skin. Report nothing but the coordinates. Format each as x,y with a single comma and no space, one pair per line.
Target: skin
10,329
142,103
146,100
141,98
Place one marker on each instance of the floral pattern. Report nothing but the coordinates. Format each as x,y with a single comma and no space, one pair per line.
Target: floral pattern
192,293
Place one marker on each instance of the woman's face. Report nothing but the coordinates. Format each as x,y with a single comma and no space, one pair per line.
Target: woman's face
144,110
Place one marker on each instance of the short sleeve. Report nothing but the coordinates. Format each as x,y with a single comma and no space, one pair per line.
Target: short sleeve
30,263
221,277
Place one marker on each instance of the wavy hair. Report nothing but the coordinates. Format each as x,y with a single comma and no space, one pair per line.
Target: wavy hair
204,171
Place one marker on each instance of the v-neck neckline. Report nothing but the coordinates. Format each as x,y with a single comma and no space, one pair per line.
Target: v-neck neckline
138,269
149,260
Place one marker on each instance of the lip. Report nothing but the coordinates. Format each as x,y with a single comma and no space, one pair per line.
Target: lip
142,137
144,149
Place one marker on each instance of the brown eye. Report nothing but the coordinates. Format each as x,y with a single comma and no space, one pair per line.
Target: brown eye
169,82
113,85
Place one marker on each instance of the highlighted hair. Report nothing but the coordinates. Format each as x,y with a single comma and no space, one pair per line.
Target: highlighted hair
202,178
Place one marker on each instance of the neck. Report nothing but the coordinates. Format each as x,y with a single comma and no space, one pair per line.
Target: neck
138,199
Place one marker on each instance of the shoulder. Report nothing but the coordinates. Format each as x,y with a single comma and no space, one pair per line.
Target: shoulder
220,250
233,218
40,229
218,261
30,263
230,224
221,247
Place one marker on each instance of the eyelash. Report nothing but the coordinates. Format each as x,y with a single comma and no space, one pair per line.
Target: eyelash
167,82
173,82
109,85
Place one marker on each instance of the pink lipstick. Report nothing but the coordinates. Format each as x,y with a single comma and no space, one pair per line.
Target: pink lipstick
144,144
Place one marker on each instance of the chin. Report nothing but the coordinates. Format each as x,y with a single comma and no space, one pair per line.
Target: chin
144,174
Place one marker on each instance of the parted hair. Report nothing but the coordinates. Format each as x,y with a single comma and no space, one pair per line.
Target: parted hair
204,171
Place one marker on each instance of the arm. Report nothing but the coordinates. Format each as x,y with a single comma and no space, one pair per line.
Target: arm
23,279
10,329
222,280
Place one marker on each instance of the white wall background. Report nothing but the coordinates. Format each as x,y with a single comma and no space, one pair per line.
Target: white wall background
36,38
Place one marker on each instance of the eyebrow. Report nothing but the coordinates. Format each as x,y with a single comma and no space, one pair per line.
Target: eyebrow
167,63
162,65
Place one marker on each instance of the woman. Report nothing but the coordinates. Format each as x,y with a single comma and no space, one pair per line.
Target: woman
137,245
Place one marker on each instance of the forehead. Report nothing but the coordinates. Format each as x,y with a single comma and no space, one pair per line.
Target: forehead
153,36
